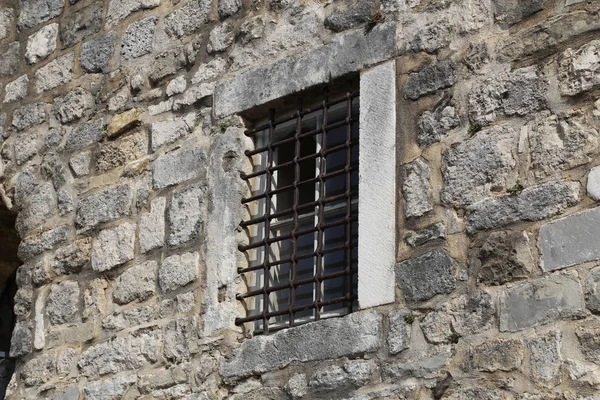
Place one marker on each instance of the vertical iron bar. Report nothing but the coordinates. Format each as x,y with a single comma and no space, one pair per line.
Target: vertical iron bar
268,178
348,243
321,217
294,262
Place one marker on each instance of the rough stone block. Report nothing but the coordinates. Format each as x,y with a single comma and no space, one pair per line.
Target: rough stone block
348,15
122,151
96,53
16,90
416,188
429,80
512,11
166,64
26,146
185,215
177,271
176,86
36,244
354,334
103,206
9,59
541,301
54,74
40,207
152,226
593,290
432,232
497,355
21,342
220,38
434,126
39,370
73,105
125,121
113,247
545,359
7,21
118,10
72,258
227,8
63,303
138,39
81,24
178,167
423,277
532,204
41,44
80,163
188,19
28,116
571,240
128,318
579,70
34,12
431,37
84,135
181,339
399,334
137,283
169,131
110,388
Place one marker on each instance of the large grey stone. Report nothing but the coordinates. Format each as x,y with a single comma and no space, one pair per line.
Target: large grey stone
430,233
63,303
128,318
34,12
579,70
81,24
122,151
429,80
423,277
137,283
7,20
354,334
416,188
347,15
118,10
179,166
9,59
177,271
113,247
138,39
188,19
39,370
432,37
96,53
54,74
29,115
41,44
152,226
220,38
532,204
181,339
513,11
434,126
171,130
185,215
545,359
571,240
26,146
73,105
110,388
40,207
37,243
21,342
103,206
541,301
228,8
84,135
16,90
72,258
399,335
497,355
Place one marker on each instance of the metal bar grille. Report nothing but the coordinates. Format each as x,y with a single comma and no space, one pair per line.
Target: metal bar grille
303,216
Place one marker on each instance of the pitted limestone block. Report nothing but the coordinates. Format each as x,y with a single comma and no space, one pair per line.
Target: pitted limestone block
430,233
496,355
176,86
122,151
34,12
7,21
136,283
81,24
37,243
512,11
421,278
518,93
593,290
227,8
541,301
188,19
166,64
220,38
54,74
434,126
26,146
109,388
432,37
178,166
436,327
40,207
103,206
94,298
545,359
251,29
118,10
121,354
399,335
62,305
21,342
416,188
209,70
185,215
128,318
80,163
354,334
39,370
73,105
152,226
532,204
579,70
65,202
138,39
83,135
72,258
113,247
16,90
429,80
23,302
66,361
41,44
96,53
347,16
161,378
9,59
124,121
589,340
181,339
329,378
476,56
177,271
570,241
505,256
169,131
29,115
193,95
426,365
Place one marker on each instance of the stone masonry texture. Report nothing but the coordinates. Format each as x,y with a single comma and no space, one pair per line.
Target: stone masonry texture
122,144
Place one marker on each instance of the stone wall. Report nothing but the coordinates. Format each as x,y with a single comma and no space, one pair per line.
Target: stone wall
121,151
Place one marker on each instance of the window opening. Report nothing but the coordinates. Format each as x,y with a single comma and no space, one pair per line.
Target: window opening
303,223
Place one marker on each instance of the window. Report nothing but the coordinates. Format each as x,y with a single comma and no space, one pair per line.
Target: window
303,216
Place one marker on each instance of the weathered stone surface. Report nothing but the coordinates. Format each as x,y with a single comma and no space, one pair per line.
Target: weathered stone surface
138,39
228,8
532,204
497,355
422,366
297,386
166,64
579,70
436,327
193,95
80,163
593,290
181,339
137,283
434,126
513,11
179,166
38,370
84,135
169,131
118,10
220,38
41,44
121,354
423,277
120,320
185,215
504,257
177,271
399,334
9,59
41,206
28,116
122,151
34,12
113,247
161,378
21,342
96,53
6,22
54,74
518,93
593,183
81,24
72,258
354,373
63,303
188,19
432,37
176,86
26,146
124,121
73,105
111,388
103,206
429,233
94,298
429,80
570,240
346,16
546,359
540,301
36,244
152,226
16,90
416,188
356,333
589,339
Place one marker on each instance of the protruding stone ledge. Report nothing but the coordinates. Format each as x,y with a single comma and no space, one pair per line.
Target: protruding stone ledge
354,334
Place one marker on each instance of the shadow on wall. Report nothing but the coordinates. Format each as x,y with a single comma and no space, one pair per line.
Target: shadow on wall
9,242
